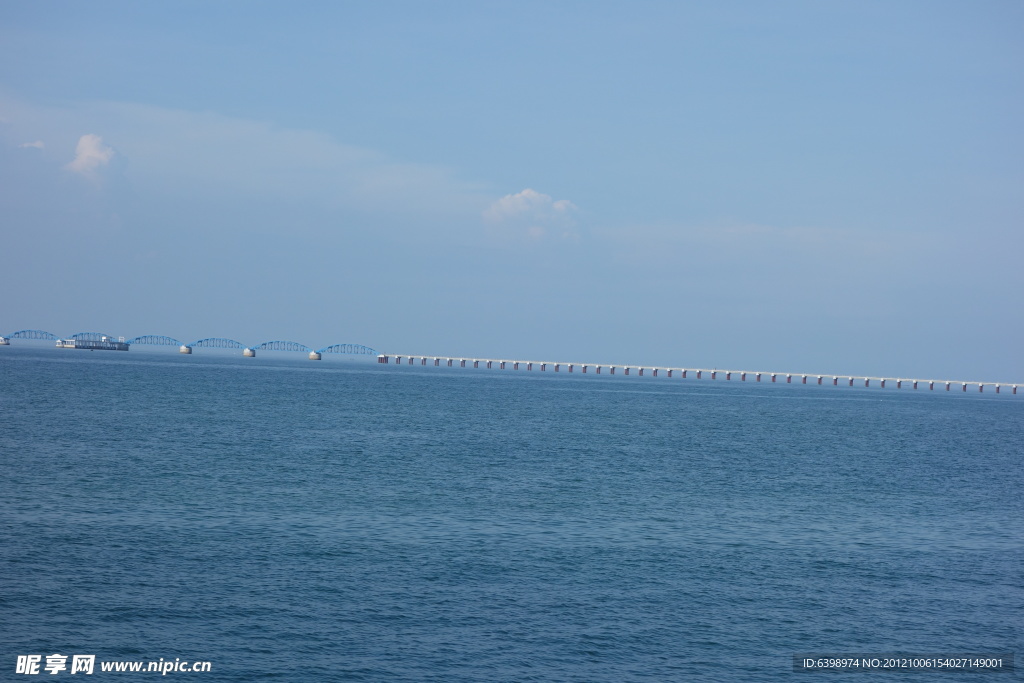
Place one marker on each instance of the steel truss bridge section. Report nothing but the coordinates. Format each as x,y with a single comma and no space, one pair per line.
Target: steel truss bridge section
155,340
217,343
33,334
283,346
353,349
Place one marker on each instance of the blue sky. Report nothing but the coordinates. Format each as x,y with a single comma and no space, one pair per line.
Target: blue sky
805,186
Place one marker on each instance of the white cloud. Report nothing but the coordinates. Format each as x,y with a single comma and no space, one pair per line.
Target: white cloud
38,144
221,161
90,154
533,215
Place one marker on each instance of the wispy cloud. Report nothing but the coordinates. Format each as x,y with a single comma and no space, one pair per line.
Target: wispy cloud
38,144
90,155
532,215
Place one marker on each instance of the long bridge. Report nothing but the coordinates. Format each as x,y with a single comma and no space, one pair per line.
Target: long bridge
684,373
96,340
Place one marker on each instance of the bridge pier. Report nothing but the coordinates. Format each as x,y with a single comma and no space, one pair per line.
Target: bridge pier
789,379
4,341
186,349
313,355
249,353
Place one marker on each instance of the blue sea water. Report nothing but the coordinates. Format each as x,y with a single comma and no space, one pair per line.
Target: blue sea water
297,521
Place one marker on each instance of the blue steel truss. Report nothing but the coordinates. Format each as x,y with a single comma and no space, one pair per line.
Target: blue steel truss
155,340
217,343
358,349
32,334
283,346
90,336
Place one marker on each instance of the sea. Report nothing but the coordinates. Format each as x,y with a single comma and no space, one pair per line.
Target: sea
343,520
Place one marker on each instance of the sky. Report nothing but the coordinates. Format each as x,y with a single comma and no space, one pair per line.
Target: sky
789,186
